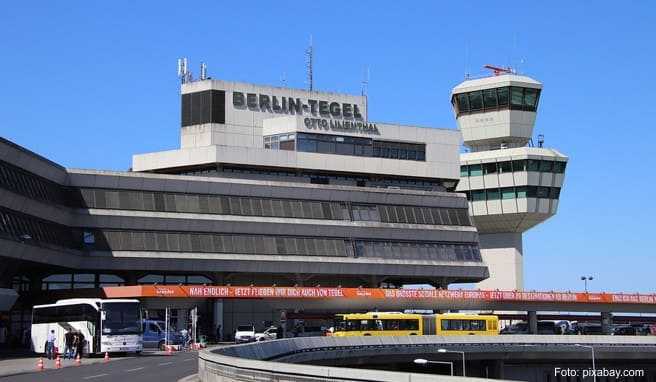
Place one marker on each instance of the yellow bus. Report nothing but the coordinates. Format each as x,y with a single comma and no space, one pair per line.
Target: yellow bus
404,324
378,324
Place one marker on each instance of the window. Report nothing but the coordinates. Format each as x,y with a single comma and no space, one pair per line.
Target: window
521,192
490,98
502,94
464,171
554,193
533,165
505,167
489,168
475,170
493,194
543,192
476,100
516,98
546,166
519,165
478,195
530,99
508,193
559,167
463,103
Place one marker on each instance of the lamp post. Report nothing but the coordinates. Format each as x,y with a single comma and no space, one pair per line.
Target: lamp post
421,361
585,280
456,351
594,370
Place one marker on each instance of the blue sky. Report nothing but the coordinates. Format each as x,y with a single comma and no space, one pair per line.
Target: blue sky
88,84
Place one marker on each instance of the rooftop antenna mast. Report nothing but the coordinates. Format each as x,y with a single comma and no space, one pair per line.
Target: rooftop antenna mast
203,71
183,71
309,63
365,89
283,79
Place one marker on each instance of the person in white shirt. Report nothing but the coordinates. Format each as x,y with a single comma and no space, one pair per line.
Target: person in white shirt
50,345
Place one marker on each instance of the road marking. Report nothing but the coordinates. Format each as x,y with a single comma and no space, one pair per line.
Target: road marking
165,363
95,376
188,359
137,368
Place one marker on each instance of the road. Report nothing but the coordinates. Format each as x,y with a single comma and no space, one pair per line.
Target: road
155,367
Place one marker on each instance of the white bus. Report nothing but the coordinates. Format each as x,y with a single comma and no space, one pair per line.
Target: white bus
107,325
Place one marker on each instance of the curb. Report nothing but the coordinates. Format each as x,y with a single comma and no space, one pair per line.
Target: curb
190,378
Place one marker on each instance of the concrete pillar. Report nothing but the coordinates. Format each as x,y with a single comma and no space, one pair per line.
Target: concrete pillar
532,322
218,318
606,322
502,253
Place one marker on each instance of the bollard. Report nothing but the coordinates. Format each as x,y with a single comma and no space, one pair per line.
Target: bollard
58,363
78,361
106,357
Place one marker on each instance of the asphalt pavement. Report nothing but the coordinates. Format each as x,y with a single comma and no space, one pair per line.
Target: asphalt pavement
155,367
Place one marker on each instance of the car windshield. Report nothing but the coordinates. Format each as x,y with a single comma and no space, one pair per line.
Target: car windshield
121,318
245,328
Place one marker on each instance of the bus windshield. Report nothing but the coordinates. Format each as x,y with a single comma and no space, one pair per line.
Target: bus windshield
121,318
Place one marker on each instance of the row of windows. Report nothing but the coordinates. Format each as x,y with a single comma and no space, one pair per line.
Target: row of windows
218,243
510,97
28,229
213,204
65,313
30,185
514,192
280,245
534,165
285,208
419,251
365,147
467,325
372,325
174,279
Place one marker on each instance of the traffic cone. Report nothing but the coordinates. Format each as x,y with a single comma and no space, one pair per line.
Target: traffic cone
58,363
169,350
78,361
39,365
106,357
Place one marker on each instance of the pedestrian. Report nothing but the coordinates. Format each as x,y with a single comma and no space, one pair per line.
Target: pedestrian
75,345
219,337
68,344
50,345
80,344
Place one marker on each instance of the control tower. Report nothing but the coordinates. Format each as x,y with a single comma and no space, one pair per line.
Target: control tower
511,184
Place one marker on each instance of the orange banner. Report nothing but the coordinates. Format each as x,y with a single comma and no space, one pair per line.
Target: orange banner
192,291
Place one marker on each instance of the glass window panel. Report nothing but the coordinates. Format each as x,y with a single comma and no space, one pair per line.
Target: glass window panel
476,100
519,165
151,279
533,165
508,193
478,195
543,192
58,277
489,168
546,165
85,277
530,99
111,279
493,194
554,193
559,167
502,96
531,191
516,97
175,279
475,170
505,167
521,192
490,98
198,280
463,103
464,171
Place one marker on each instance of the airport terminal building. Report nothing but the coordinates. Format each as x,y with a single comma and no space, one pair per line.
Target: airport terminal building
270,186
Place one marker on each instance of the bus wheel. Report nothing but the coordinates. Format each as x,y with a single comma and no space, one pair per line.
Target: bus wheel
161,346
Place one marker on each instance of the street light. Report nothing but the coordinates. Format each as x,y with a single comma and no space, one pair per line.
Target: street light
585,279
594,370
455,351
421,361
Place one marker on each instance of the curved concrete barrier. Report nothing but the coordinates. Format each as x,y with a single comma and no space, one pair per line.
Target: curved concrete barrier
274,360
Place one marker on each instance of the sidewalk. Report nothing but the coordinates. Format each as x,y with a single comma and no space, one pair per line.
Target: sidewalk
24,365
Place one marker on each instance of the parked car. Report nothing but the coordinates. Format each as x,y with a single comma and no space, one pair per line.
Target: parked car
245,333
270,334
154,335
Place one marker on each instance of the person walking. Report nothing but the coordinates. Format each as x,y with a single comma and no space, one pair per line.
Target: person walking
68,344
75,344
80,344
50,345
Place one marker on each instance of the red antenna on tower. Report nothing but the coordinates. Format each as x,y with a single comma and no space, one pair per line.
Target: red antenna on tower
498,70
